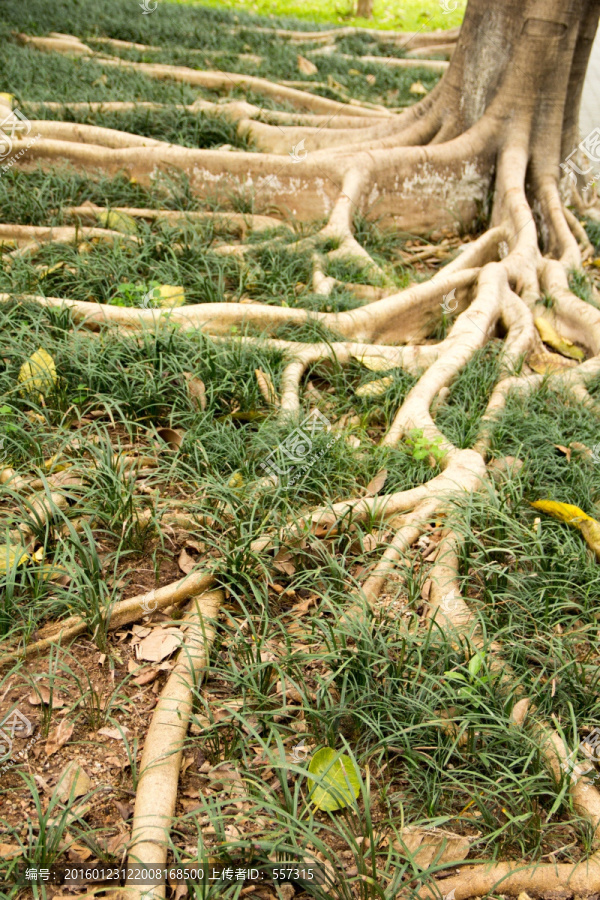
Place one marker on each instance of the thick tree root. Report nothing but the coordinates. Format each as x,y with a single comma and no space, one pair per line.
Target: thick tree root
240,223
29,236
123,613
224,81
412,39
156,794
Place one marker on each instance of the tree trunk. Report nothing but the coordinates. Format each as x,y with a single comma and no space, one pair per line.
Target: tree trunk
364,9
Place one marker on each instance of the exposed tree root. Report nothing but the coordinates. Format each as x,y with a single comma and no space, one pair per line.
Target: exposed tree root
123,613
238,222
156,795
224,81
436,65
403,38
28,236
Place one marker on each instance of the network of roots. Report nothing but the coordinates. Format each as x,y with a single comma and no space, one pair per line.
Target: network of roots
323,435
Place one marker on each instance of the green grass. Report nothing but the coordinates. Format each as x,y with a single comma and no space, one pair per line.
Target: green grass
401,15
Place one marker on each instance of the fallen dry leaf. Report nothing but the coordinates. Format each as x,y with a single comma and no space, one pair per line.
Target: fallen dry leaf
38,374
553,339
73,782
375,388
9,851
564,450
300,609
58,737
306,66
115,734
41,694
196,389
78,853
582,449
146,677
186,562
117,844
544,362
376,483
158,645
173,438
283,562
425,846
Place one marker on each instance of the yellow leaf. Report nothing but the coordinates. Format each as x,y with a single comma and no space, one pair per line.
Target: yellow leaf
418,88
551,337
168,295
374,388
566,512
8,554
44,271
375,363
544,362
53,465
589,527
117,221
7,99
38,374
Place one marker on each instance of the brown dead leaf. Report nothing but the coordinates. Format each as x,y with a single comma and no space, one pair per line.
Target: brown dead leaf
283,562
78,853
425,846
196,390
73,782
301,609
565,450
125,809
9,851
186,562
376,483
114,733
545,362
173,438
117,844
306,66
582,449
116,763
370,542
519,711
146,677
158,645
41,694
58,737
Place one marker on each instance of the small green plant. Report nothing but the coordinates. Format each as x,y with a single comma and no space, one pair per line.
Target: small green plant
421,447
471,683
130,294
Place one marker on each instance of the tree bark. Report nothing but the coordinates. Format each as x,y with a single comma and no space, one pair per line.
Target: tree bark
364,9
